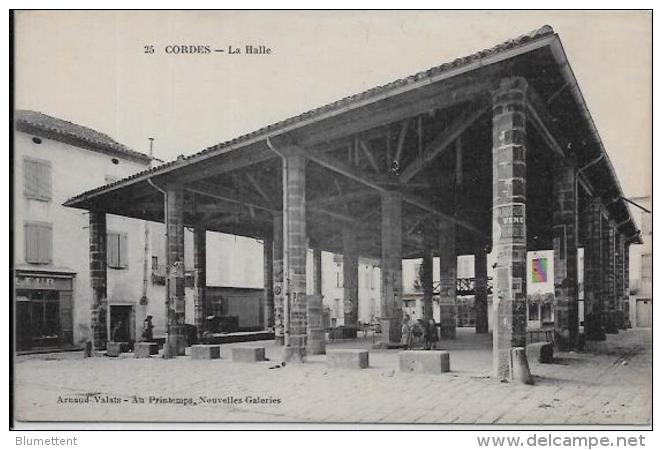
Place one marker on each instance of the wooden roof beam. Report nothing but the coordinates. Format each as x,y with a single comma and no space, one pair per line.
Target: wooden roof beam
443,141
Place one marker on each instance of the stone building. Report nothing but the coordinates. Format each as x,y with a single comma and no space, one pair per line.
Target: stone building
55,159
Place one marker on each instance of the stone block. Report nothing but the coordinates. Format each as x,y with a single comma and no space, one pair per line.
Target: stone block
543,352
422,361
205,351
115,348
347,358
519,369
248,354
145,349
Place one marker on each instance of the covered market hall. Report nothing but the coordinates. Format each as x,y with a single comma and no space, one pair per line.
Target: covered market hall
494,153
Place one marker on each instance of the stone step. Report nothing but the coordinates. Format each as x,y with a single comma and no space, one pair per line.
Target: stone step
424,361
347,358
145,349
542,352
115,348
248,354
205,352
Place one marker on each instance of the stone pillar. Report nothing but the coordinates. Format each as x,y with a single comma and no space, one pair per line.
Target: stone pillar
317,271
391,271
279,287
316,334
447,280
350,276
175,297
200,264
98,279
610,280
618,284
480,289
268,304
295,216
593,330
566,291
626,285
509,221
427,272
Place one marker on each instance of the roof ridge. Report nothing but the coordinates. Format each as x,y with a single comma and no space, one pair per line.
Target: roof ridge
545,30
46,122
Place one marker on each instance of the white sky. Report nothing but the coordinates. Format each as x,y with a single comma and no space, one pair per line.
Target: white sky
89,68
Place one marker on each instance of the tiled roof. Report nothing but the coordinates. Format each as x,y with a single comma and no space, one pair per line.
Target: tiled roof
546,30
58,129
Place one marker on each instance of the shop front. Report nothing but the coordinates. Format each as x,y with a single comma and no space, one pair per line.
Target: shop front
44,309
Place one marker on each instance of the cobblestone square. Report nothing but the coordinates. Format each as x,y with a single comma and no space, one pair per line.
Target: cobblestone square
610,384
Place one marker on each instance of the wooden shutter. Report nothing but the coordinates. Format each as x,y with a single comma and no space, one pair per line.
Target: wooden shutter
46,243
112,247
123,250
38,243
37,179
31,243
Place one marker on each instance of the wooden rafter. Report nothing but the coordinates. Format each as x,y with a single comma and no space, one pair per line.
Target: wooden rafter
230,195
442,142
371,158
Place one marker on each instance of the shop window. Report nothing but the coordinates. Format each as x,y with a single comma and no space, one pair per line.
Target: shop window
37,179
117,249
38,243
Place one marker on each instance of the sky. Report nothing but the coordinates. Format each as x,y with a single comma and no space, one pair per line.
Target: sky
90,67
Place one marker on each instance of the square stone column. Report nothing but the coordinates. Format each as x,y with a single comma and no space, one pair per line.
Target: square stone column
268,266
279,287
480,289
391,271
626,285
350,276
200,280
509,221
175,296
295,223
427,268
98,280
593,284
447,280
566,291
317,271
610,323
619,281
315,332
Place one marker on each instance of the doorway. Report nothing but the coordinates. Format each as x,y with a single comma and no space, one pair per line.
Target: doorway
37,319
122,323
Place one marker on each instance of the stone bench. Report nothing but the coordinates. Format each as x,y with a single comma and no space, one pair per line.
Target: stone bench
145,349
115,348
347,358
248,354
543,352
205,351
424,361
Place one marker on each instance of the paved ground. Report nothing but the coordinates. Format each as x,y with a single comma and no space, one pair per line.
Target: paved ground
612,385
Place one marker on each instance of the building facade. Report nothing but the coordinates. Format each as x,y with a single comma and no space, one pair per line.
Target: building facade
54,159
641,268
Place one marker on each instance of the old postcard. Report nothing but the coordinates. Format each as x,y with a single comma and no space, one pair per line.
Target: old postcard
437,218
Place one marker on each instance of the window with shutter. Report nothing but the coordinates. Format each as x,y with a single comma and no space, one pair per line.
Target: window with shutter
38,243
37,179
117,251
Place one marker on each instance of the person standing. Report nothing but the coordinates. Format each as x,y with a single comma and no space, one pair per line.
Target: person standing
431,335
